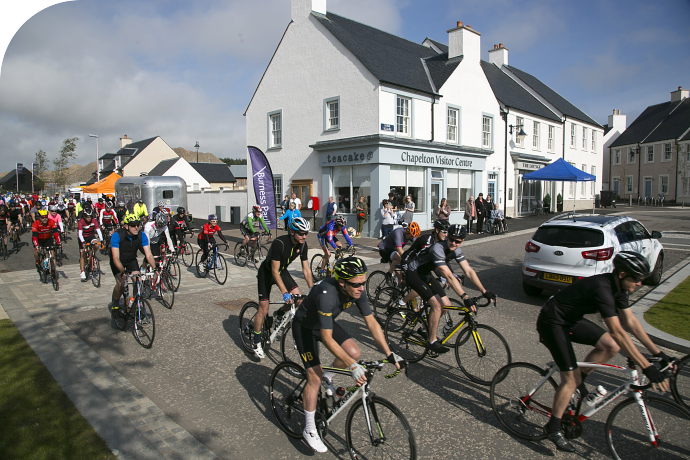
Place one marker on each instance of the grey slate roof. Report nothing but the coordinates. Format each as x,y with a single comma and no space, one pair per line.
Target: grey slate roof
645,123
607,128
214,172
163,166
511,94
135,147
558,101
441,69
239,171
442,46
674,125
107,156
389,58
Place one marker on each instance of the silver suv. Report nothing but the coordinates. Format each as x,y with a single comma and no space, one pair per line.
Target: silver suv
571,247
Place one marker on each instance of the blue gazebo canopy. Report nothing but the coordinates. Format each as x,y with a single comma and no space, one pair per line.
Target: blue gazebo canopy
560,170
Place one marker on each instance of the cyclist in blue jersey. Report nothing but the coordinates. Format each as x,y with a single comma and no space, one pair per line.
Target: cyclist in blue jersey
327,234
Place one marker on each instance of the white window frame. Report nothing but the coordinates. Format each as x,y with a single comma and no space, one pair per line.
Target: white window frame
583,190
614,180
616,156
272,131
573,188
456,126
629,185
552,138
520,123
630,154
573,135
584,138
594,140
668,149
594,182
686,186
403,122
661,184
328,124
487,136
649,149
535,135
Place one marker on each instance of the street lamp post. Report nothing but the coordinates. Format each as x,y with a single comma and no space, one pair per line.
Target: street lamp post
98,176
197,151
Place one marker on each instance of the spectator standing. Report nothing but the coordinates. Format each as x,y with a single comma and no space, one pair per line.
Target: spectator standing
388,217
362,212
470,213
393,202
297,201
409,209
443,210
488,207
290,214
331,209
480,204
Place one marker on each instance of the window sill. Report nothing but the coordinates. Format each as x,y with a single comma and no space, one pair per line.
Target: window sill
275,148
331,130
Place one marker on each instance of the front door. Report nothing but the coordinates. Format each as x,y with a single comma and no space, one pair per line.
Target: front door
435,198
648,188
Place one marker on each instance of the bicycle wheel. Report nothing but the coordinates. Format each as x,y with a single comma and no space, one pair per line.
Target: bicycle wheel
175,271
246,325
385,301
522,415
165,291
119,320
42,273
54,275
144,329
375,282
221,269
481,353
187,255
404,331
680,385
315,266
288,348
240,254
3,247
201,269
146,288
285,390
58,256
627,435
391,432
96,272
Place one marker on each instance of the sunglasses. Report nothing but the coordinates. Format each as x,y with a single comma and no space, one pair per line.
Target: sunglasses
134,224
355,285
214,221
301,233
455,241
445,232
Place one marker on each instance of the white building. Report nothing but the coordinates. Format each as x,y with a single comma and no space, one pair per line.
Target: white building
617,123
346,110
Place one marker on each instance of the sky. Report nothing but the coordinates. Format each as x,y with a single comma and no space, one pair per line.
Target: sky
186,70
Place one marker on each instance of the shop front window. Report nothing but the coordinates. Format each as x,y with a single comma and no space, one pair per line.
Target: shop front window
459,189
398,184
415,187
341,188
361,185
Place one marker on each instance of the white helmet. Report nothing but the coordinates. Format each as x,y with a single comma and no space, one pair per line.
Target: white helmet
299,224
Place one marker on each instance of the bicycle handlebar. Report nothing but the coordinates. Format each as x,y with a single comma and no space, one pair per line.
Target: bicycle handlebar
668,371
294,297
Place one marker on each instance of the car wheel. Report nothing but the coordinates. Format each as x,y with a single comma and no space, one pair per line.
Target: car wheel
531,290
655,278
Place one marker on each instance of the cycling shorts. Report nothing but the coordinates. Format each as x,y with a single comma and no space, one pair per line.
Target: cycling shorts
266,282
46,243
3,228
559,340
132,266
426,285
245,231
306,341
323,241
386,255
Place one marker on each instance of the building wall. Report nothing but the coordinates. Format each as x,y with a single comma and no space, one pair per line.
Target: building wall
203,203
184,170
149,158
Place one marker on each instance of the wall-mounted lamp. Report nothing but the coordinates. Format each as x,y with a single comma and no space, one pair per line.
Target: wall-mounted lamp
520,135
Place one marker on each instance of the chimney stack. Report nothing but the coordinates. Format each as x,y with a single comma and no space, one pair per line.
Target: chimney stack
498,55
125,141
464,41
679,95
617,122
301,9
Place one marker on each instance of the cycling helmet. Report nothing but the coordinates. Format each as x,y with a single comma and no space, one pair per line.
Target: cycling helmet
100,200
340,221
140,200
161,220
161,203
88,198
39,205
181,210
632,263
87,212
131,219
61,207
52,208
414,230
299,224
212,217
108,205
457,231
13,203
42,213
3,208
349,267
256,208
121,204
441,224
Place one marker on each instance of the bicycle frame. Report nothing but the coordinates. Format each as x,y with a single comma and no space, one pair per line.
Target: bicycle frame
287,318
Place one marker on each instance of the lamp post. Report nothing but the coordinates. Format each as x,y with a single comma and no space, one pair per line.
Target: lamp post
520,135
197,151
98,176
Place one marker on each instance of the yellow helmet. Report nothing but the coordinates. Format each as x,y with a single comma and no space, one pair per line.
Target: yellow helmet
43,213
130,218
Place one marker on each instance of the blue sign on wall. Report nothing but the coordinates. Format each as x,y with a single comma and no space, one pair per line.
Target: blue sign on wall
385,127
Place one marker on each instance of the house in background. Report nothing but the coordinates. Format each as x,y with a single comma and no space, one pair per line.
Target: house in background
217,175
9,181
135,158
240,173
617,123
181,168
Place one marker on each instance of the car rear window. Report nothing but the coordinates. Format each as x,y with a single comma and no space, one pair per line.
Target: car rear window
569,237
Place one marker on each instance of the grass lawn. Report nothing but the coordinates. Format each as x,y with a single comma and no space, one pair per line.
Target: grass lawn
38,419
672,313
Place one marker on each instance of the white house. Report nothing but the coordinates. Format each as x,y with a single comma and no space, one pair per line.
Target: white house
617,123
181,168
349,111
135,158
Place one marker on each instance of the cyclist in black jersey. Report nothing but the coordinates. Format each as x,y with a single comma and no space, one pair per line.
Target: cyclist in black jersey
315,322
273,270
15,214
562,322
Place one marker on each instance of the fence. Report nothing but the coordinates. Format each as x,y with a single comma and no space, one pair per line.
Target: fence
228,205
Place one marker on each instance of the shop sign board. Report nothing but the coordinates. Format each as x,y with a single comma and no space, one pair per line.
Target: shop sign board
402,156
530,166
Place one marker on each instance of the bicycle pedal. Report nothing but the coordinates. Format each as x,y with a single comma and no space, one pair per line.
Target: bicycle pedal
432,354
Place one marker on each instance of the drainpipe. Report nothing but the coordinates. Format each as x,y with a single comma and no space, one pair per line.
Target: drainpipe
677,155
562,183
505,163
639,171
433,102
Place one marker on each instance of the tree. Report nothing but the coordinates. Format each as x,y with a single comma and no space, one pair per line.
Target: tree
63,160
234,161
41,160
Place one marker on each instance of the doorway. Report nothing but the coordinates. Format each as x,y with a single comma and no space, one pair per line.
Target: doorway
647,187
435,198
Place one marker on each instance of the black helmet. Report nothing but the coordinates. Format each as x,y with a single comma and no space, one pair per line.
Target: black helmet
181,210
632,263
87,212
457,231
441,224
349,267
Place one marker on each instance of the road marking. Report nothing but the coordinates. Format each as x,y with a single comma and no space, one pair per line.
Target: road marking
676,244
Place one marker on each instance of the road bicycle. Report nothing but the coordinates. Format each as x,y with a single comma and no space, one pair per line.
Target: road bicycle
316,262
71,222
169,264
374,426
46,266
138,310
245,254
214,262
644,425
14,238
107,233
4,250
274,325
160,282
680,383
92,266
480,350
185,250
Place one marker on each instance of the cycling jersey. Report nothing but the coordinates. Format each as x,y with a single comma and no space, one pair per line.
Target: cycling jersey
283,251
416,247
43,234
327,235
3,222
87,231
208,231
127,246
324,304
140,210
108,218
155,234
179,221
394,240
98,207
121,213
57,218
248,222
434,256
14,214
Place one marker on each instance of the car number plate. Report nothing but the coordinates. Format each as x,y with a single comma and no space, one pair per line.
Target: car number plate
559,278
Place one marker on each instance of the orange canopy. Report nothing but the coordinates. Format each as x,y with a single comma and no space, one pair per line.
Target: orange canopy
105,185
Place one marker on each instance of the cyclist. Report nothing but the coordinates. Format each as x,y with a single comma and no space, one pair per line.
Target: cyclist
140,210
108,219
43,232
125,243
561,322
4,219
179,224
87,228
99,206
154,229
315,322
391,247
273,270
121,212
206,241
435,258
327,234
16,219
247,227
33,212
62,210
55,217
71,207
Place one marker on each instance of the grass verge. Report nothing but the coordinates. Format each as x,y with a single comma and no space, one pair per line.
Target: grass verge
38,419
672,313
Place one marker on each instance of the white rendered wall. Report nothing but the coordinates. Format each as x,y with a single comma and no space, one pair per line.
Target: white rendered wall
190,175
149,158
201,204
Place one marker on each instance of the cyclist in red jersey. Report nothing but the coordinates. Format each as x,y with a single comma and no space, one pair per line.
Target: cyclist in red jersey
206,240
43,232
88,228
108,219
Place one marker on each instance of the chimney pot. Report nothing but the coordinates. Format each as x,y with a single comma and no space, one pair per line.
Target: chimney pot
614,111
619,111
495,47
469,27
459,23
680,88
125,136
500,45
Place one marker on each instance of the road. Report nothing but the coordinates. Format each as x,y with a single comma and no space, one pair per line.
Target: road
199,376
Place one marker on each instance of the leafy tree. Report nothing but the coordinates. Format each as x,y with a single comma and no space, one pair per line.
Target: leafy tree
65,157
234,161
41,160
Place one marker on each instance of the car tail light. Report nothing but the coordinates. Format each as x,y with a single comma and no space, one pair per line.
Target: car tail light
531,247
531,270
598,254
